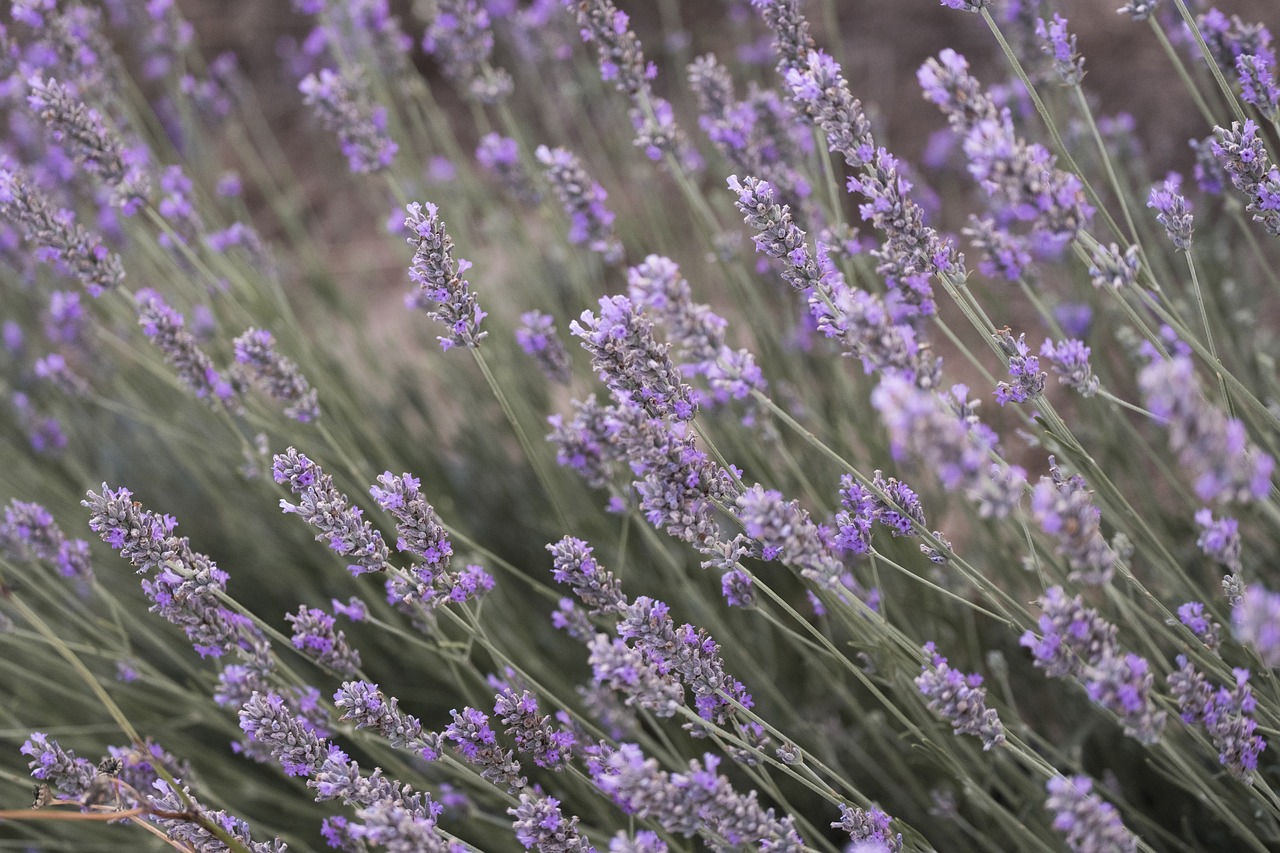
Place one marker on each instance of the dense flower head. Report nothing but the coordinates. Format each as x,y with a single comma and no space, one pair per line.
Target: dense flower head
1256,619
590,221
537,336
1069,361
1004,254
1226,713
535,736
595,586
1173,211
501,155
1219,538
476,742
1024,368
821,88
365,706
1214,449
1078,643
697,801
960,699
628,672
266,719
869,826
55,235
1060,44
782,530
584,442
1259,85
460,37
276,374
630,360
59,768
540,823
442,292
1089,823
1243,155
341,101
321,505
29,531
315,636
1064,508
166,328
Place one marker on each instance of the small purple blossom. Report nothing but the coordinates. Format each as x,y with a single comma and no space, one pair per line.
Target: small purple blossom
166,328
1069,361
1173,211
315,636
1060,44
1064,508
533,733
869,826
1028,379
460,37
590,221
475,741
539,823
266,719
277,375
537,337
1243,155
442,292
364,706
1089,823
321,505
342,103
1192,614
28,531
1112,269
1219,538
1226,713
1256,620
959,699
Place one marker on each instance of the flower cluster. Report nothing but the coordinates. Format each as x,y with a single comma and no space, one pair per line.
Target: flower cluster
442,292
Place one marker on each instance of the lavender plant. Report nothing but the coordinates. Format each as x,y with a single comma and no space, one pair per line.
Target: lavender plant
739,510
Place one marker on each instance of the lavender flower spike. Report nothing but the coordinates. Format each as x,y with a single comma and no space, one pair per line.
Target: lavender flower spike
93,145
57,237
1243,155
278,376
29,529
167,330
960,699
1256,618
583,200
537,337
442,291
461,38
967,5
322,506
342,103
1090,824
628,358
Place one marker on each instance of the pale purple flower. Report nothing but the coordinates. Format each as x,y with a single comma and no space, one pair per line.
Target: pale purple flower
277,375
1215,450
1173,211
595,586
1024,368
1192,614
1243,155
1060,44
60,768
782,530
539,823
628,358
1004,253
475,741
442,292
1069,361
460,37
533,733
166,328
501,156
868,826
820,87
316,637
1139,10
1090,824
28,532
960,699
629,673
94,146
57,239
322,506
967,5
583,199
537,337
366,707
1112,269
1226,713
1259,86
584,443
1219,538
1064,508
1256,619
341,101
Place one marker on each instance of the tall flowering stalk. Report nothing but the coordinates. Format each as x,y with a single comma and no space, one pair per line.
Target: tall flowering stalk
442,292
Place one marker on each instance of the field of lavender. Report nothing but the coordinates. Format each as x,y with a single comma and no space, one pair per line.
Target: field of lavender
508,424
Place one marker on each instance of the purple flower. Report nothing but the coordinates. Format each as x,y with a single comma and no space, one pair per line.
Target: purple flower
1112,269
967,5
442,292
868,826
1056,41
629,359
315,636
59,768
1004,254
583,200
476,742
1256,619
267,720
1173,211
538,822
1219,538
461,39
537,337
1258,83
595,586
1089,823
1076,642
363,705
959,699
1023,367
533,733
501,156
57,238
322,506
583,443
627,671
1192,614
28,531
1069,361
1212,448
820,88
277,375
1064,508
1243,155
342,103
783,531
1227,715
92,144
166,328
